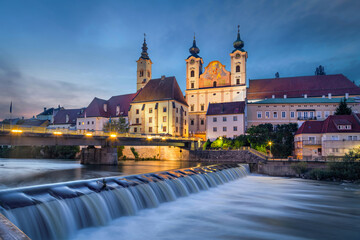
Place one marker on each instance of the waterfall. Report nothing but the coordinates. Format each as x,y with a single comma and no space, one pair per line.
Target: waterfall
57,211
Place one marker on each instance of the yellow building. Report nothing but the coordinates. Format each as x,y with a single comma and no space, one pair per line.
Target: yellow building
159,108
333,137
214,85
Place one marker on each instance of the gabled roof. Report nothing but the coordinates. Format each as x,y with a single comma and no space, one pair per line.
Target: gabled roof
96,107
159,89
330,125
226,108
303,100
60,117
294,87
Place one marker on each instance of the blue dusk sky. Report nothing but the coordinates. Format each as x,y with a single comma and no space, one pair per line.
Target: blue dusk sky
68,52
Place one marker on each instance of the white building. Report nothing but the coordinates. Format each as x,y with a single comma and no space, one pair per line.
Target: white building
225,120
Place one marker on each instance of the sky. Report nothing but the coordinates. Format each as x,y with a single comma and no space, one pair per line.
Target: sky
65,52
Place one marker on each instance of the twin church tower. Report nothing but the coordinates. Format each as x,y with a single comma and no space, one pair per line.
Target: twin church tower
213,85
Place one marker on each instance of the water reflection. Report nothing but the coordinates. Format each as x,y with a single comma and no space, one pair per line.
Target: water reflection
28,172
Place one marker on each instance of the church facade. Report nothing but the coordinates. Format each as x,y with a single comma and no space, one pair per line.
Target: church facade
214,85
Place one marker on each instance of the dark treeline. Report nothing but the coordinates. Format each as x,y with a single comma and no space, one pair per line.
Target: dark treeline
52,152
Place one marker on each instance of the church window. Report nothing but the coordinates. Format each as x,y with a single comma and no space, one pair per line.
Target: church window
192,122
214,84
164,109
237,68
135,129
177,119
150,119
164,118
192,107
202,121
137,111
150,129
192,73
148,74
137,120
237,81
177,129
192,85
141,73
202,107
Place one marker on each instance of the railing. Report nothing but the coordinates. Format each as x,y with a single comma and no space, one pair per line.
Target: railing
310,142
16,129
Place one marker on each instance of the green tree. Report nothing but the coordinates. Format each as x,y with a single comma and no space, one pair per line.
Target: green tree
120,126
343,108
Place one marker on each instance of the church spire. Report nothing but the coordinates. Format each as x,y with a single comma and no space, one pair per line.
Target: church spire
144,53
194,50
238,44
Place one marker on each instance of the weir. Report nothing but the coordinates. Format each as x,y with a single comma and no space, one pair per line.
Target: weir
57,211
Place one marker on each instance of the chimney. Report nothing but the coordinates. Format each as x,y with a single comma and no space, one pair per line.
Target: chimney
44,109
285,96
329,95
305,95
273,96
346,95
163,77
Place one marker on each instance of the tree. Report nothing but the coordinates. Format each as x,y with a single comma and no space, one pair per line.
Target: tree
320,70
343,108
114,125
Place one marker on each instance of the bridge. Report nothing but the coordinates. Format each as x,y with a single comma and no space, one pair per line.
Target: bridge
41,136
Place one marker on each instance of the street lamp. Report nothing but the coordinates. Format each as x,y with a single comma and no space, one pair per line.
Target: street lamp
270,143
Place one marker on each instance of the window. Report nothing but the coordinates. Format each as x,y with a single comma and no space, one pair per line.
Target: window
177,119
185,113
202,107
334,138
82,123
234,118
150,129
214,119
292,114
192,107
141,73
176,129
283,114
267,114
335,150
164,128
237,81
214,129
299,114
327,113
214,84
192,85
312,140
164,109
164,118
177,110
150,110
224,119
92,122
235,128
192,122
237,68
202,121
137,120
275,114
135,129
311,114
224,129
185,122
259,114
355,138
350,138
318,114
79,123
150,119
305,115
137,111
192,73
88,123
148,73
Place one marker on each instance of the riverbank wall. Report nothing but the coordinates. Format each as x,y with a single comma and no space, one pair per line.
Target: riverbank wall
284,168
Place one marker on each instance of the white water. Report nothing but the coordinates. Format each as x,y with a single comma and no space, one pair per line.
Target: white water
255,207
61,219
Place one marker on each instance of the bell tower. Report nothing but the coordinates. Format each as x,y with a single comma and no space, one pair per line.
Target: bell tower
193,67
143,67
238,62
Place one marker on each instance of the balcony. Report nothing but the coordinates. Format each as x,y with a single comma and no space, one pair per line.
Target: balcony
309,142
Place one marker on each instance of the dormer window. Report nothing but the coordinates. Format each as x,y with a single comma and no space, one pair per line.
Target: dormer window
67,118
344,127
105,107
117,110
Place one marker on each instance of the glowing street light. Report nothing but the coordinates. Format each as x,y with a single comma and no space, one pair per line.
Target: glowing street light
57,133
88,134
113,135
16,131
270,143
163,138
149,138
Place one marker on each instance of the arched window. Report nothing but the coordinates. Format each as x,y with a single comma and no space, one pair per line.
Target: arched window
192,73
148,73
141,73
238,68
214,84
237,81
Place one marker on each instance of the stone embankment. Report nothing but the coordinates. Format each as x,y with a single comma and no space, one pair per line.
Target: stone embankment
238,156
284,168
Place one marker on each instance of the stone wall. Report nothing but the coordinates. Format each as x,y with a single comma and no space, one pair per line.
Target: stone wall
99,156
157,152
239,156
283,168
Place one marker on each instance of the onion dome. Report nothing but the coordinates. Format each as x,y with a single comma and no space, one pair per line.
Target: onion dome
194,50
238,44
144,53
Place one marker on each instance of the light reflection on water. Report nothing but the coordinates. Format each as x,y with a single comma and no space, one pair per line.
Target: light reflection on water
255,207
28,172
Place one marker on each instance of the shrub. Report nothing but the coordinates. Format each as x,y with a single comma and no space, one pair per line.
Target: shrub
320,174
207,144
299,168
136,155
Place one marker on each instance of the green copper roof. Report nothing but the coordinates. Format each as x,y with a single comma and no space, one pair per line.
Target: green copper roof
302,100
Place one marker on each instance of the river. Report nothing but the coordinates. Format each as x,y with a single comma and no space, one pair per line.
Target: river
253,207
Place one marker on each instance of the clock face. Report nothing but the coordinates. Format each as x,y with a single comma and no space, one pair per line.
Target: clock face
237,56
192,61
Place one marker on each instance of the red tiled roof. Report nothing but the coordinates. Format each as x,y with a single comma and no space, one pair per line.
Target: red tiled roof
226,108
161,89
313,86
96,107
329,125
60,117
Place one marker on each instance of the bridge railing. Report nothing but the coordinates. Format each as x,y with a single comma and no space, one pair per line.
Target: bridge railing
16,129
